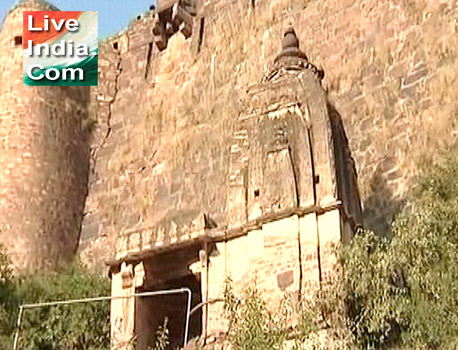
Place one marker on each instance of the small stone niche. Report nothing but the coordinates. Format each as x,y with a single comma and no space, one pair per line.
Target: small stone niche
18,40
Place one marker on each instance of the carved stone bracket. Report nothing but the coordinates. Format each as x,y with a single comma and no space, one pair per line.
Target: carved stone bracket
127,275
174,16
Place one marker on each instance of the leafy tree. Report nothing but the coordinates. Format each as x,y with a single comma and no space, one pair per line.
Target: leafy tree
397,292
403,291
70,327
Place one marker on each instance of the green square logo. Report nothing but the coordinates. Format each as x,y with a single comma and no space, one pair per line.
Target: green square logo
60,48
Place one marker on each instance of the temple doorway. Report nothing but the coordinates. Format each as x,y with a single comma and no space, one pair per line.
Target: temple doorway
167,271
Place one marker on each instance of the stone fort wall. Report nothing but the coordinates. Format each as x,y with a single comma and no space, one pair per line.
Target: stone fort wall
391,72
44,158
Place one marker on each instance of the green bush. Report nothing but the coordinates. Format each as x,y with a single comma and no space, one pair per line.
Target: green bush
399,292
70,327
8,301
251,325
403,291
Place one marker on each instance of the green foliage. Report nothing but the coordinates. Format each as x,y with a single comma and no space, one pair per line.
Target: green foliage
70,327
162,337
399,292
403,291
251,325
9,303
307,324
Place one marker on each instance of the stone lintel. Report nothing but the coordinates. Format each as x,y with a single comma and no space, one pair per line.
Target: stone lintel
219,234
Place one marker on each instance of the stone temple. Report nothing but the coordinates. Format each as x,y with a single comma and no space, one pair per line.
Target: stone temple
291,190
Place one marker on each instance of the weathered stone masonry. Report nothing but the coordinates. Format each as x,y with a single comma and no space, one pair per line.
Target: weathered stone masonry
44,158
292,189
173,157
380,76
385,68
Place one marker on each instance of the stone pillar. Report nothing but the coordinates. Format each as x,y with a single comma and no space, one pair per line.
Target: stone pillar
216,275
330,232
123,309
204,259
309,243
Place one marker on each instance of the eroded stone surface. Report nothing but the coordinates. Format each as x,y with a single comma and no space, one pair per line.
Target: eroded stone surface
291,190
44,158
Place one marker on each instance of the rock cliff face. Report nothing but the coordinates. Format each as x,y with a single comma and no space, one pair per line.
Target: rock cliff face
44,157
165,117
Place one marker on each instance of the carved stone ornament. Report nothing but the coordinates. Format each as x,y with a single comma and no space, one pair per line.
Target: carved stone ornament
127,275
291,58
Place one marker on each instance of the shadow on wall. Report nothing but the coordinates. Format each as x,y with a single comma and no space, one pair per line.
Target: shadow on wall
381,206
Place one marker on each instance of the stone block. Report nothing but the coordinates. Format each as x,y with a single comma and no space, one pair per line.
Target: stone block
415,76
285,279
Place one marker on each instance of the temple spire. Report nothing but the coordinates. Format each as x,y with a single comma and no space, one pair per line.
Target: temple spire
291,58
290,46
